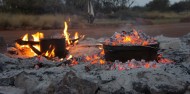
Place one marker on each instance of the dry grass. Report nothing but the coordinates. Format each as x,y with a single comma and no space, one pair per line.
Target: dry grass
21,21
164,15
12,21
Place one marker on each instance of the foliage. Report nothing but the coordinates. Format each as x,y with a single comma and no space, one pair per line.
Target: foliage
49,21
159,5
63,6
181,6
32,6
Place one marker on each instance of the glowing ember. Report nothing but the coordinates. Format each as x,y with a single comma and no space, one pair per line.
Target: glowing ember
88,58
130,38
164,60
102,52
102,62
147,65
74,62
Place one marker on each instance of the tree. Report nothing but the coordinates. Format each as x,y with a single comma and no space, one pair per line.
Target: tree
181,6
33,6
158,5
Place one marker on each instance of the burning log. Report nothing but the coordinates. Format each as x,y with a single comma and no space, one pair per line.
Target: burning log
22,42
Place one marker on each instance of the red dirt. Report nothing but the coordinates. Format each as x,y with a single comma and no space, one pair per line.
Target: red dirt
170,30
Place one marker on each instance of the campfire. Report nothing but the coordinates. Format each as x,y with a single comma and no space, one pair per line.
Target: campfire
133,48
129,61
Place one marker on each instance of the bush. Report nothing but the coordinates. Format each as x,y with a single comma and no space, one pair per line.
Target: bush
36,21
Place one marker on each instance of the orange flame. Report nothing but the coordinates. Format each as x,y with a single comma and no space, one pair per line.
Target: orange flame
25,38
36,38
50,53
66,34
25,49
69,57
76,37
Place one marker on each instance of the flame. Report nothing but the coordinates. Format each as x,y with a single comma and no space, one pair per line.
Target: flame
66,34
25,49
36,38
25,38
50,53
76,37
69,57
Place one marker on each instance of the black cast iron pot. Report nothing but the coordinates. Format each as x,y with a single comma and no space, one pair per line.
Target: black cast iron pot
125,53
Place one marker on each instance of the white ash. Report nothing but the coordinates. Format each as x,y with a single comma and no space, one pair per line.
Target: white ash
176,49
110,80
11,90
4,58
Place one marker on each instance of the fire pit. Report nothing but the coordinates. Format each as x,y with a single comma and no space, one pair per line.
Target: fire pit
125,46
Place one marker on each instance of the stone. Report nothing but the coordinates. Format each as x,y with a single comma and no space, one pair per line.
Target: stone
71,84
26,82
8,81
45,87
11,90
3,45
148,82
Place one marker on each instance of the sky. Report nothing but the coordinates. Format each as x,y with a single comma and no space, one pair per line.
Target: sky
143,2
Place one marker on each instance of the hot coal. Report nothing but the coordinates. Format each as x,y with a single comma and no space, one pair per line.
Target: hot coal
130,38
125,46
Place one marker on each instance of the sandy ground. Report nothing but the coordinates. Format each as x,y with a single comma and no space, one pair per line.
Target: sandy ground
170,30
